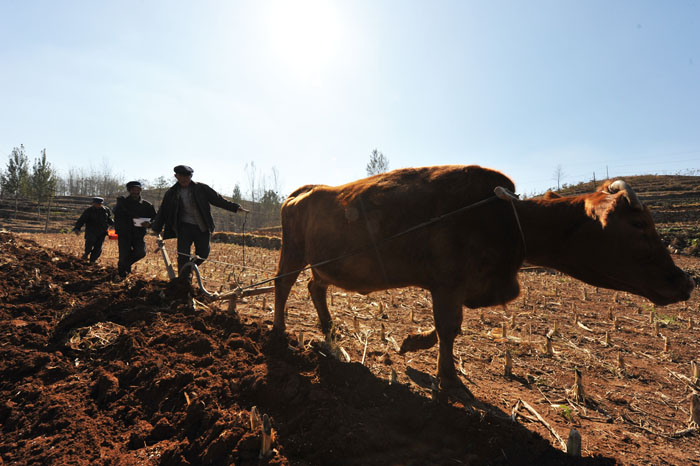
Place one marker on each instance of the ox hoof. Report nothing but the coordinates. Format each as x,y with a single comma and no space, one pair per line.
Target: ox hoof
278,333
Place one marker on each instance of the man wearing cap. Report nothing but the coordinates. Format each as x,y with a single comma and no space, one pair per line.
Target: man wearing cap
186,214
96,219
132,215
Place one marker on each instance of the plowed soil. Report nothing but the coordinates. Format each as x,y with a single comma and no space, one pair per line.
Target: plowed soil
95,371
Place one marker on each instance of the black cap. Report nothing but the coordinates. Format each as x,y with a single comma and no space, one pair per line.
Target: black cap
133,184
183,170
97,200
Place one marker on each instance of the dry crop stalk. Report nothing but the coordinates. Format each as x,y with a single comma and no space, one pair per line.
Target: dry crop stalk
508,365
584,295
356,325
577,389
607,339
255,421
382,331
616,323
266,447
695,369
573,444
690,323
611,316
435,391
481,317
656,328
504,333
264,303
575,318
667,344
512,321
651,317
332,299
412,316
548,346
695,410
620,362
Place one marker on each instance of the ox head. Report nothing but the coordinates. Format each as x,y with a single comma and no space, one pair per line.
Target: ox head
629,252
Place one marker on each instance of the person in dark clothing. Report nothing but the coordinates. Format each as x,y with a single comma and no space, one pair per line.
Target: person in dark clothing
186,215
132,215
96,220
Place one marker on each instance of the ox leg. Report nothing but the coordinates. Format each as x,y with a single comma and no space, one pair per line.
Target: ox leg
284,285
447,311
317,290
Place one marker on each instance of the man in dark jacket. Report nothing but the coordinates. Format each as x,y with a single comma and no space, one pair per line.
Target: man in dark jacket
186,214
96,220
132,215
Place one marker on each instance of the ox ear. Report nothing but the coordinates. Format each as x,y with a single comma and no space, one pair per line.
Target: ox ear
551,195
601,204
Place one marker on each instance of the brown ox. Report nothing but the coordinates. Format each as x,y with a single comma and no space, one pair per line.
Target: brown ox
410,227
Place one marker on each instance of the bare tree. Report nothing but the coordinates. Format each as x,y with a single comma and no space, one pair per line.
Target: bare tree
558,176
378,163
250,172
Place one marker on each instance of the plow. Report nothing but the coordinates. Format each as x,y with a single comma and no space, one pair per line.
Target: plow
231,296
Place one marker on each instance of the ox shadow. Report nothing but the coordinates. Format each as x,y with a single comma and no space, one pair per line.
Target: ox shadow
332,412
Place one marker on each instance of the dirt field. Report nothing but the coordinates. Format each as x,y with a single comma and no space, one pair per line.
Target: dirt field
99,372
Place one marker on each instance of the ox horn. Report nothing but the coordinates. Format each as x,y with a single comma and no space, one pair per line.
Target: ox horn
628,192
505,194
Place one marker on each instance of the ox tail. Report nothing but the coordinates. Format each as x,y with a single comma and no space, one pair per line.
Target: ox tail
419,341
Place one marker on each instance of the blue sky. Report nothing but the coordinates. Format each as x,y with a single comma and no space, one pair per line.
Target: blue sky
311,87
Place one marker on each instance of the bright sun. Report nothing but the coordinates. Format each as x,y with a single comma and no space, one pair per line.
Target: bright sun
303,35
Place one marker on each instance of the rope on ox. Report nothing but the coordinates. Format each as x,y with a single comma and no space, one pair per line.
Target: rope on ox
499,193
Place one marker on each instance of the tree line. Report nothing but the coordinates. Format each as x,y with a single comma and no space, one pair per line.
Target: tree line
40,182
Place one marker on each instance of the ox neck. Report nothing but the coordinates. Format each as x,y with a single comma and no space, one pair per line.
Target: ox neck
548,226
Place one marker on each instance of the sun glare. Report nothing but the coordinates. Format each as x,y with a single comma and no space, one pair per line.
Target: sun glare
303,35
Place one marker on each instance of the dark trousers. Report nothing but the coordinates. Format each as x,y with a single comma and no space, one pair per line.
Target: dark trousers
187,234
93,245
132,248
